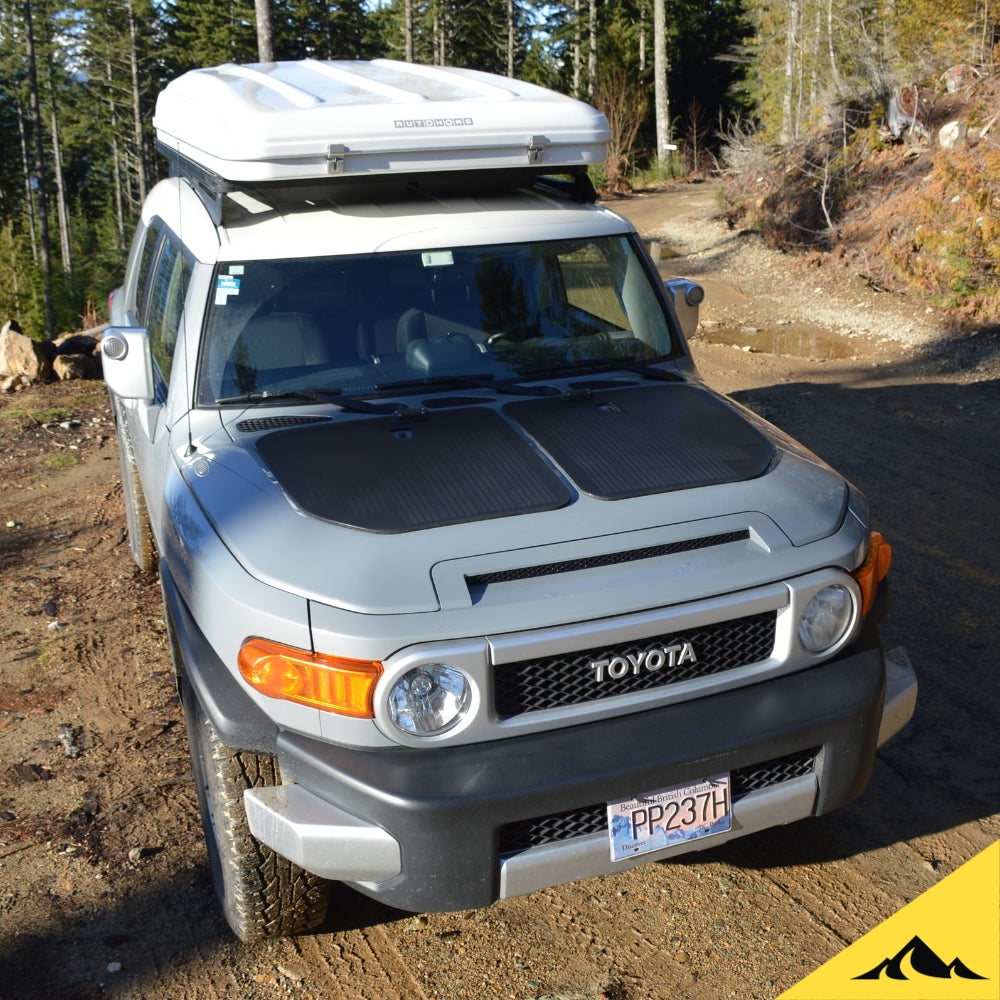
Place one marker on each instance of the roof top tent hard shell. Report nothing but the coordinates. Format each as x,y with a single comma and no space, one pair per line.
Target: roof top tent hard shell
306,120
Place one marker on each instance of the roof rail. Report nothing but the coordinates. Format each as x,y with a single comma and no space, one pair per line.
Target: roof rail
580,188
208,185
572,183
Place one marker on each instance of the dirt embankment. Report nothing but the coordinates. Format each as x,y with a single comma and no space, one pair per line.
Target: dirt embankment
104,889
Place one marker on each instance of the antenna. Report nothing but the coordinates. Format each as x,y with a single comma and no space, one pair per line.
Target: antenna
189,400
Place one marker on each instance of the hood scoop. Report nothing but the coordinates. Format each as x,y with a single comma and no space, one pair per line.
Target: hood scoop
254,425
380,474
653,439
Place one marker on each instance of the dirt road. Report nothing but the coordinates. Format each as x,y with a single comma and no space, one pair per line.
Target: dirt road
104,889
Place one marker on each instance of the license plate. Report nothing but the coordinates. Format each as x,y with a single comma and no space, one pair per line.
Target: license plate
669,817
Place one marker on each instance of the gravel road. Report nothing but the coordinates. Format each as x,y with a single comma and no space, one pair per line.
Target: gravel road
104,889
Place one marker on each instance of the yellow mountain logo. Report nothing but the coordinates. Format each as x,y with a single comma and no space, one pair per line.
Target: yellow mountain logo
951,950
917,959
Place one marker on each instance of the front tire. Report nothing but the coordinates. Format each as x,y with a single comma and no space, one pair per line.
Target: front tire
262,894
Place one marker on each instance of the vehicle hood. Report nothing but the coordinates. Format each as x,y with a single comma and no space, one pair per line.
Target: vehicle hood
355,510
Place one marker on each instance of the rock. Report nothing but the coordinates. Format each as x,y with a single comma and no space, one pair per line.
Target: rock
950,135
32,772
74,366
67,737
14,383
295,975
960,76
20,355
76,343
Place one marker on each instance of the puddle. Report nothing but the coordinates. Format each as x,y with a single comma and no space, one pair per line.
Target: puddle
660,251
796,340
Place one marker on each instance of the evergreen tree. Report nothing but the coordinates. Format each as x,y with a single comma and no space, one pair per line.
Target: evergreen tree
809,56
333,29
99,65
209,34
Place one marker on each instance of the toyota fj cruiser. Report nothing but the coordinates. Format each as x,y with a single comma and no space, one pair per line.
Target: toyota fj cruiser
473,586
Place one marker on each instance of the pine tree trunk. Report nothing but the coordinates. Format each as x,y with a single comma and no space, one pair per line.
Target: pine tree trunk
28,193
39,155
265,31
643,6
789,122
577,49
661,91
408,30
592,55
834,68
510,38
140,144
15,278
116,162
62,210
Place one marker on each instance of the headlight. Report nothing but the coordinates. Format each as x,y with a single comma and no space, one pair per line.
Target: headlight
429,700
826,619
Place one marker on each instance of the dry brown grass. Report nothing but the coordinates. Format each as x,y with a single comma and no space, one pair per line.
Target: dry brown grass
908,217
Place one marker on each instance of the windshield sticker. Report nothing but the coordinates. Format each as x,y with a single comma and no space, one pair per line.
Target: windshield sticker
437,258
226,285
236,268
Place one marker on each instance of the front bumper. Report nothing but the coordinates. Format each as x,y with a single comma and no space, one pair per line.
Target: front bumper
422,829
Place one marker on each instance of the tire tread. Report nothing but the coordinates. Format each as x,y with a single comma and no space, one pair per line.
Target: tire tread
262,894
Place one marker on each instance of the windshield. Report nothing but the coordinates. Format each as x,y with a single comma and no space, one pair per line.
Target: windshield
357,325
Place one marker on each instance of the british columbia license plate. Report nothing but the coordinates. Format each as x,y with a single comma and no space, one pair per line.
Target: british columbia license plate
669,817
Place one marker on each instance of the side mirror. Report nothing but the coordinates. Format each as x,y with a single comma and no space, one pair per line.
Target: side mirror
128,362
685,296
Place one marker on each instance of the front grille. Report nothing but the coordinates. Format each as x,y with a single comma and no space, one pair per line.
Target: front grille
569,679
520,836
608,559
745,780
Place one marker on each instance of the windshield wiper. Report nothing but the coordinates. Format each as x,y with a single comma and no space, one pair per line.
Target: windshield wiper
437,381
267,398
335,396
604,365
485,381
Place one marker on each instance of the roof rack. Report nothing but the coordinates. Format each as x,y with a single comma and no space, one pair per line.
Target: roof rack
312,120
208,185
572,183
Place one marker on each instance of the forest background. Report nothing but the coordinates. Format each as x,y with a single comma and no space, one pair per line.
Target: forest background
800,91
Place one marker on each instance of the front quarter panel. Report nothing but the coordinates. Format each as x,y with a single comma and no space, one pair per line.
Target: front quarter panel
227,603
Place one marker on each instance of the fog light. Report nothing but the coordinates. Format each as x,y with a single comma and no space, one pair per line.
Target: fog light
826,618
429,700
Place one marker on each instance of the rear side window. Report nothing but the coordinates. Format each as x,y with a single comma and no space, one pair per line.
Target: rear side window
145,265
167,291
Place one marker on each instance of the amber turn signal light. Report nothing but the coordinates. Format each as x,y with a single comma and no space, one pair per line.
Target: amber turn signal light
873,570
330,683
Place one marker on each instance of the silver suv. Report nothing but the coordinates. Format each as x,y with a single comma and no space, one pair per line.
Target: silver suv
473,585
